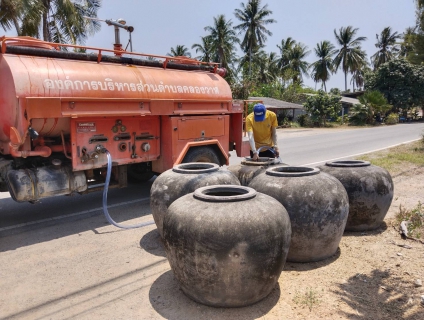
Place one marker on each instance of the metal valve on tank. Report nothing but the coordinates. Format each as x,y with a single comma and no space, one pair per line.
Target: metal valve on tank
145,147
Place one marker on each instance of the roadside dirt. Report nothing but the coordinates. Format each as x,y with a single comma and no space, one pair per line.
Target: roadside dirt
105,273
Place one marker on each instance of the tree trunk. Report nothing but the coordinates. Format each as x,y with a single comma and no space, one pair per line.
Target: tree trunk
345,80
46,34
250,60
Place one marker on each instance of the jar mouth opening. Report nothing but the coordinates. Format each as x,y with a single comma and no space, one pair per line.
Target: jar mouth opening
224,193
288,171
195,167
262,161
348,163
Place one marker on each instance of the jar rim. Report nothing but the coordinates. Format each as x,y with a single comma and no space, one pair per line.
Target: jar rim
195,167
224,193
262,161
290,171
348,163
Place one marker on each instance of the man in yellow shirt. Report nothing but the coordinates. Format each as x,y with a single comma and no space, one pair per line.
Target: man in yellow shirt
261,127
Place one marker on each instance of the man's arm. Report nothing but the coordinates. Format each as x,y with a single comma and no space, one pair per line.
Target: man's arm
252,145
274,140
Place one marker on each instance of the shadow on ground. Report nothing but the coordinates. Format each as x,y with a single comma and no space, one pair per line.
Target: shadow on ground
379,296
306,266
171,303
382,228
152,243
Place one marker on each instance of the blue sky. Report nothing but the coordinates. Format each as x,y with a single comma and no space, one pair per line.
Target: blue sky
162,24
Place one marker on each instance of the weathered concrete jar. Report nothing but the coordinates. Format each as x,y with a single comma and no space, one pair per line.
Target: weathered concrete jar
182,179
227,245
248,169
317,204
370,191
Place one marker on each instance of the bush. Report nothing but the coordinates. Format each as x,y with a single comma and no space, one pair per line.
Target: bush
392,118
305,121
345,119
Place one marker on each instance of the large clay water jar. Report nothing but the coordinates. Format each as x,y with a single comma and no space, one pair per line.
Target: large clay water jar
317,204
182,179
226,245
248,168
370,192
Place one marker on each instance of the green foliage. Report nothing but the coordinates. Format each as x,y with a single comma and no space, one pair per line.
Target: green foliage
361,115
309,298
323,106
387,47
350,56
401,83
335,91
305,120
59,21
344,120
179,51
414,218
323,67
392,118
372,105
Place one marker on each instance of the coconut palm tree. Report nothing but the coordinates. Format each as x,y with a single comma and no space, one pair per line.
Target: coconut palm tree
179,51
10,14
350,53
285,47
253,19
407,44
205,48
358,75
267,65
296,62
223,40
387,47
323,67
61,21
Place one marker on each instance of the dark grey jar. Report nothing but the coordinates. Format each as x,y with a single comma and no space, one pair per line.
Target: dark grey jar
182,179
370,190
248,168
227,245
317,204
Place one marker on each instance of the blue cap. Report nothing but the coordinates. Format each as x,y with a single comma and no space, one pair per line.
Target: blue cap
259,110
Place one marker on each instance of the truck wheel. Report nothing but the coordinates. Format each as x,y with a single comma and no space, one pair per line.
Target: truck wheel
202,154
139,172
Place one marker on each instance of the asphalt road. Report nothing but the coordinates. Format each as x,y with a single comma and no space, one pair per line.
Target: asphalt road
299,146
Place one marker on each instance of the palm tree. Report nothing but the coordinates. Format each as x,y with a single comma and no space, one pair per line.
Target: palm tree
179,51
223,40
60,21
267,65
407,45
358,69
253,20
296,62
10,14
205,48
323,67
285,47
350,54
387,47
372,104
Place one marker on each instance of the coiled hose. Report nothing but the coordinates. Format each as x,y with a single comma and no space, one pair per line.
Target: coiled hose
105,211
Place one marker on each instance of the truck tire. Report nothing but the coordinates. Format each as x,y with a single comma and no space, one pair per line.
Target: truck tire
202,154
139,172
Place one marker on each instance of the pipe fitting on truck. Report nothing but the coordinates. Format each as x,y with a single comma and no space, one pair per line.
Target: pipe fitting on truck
16,142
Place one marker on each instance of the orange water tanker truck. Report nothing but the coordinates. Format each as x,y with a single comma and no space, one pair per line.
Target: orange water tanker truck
62,105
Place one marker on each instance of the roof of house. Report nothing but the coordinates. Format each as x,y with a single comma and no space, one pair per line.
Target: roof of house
271,103
349,100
